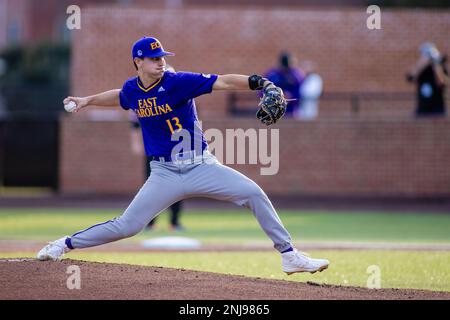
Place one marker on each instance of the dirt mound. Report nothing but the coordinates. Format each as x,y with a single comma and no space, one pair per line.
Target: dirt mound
31,279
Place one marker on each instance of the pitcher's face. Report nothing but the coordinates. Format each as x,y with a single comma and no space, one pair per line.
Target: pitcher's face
154,67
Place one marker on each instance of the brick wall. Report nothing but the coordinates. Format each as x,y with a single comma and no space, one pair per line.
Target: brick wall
382,156
342,157
95,158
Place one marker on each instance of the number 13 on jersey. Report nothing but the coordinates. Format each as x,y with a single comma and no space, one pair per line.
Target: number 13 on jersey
176,123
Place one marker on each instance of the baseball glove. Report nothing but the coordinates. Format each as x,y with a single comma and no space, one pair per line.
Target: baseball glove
272,106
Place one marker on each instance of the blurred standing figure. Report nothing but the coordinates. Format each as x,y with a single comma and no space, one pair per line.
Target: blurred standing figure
310,91
289,78
137,148
431,76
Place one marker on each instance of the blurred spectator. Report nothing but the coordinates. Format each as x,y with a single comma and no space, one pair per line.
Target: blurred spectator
288,77
137,148
431,76
310,91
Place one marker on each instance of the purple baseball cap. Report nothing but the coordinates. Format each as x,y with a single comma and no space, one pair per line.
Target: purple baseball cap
149,47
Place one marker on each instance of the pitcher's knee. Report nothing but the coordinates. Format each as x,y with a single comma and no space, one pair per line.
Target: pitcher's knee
128,230
253,191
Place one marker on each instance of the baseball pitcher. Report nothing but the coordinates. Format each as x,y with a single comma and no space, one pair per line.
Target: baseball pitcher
164,103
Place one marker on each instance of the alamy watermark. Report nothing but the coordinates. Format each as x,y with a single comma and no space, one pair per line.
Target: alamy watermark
74,280
237,146
73,21
374,279
373,22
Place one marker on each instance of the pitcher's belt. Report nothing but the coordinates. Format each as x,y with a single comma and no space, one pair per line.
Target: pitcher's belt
187,156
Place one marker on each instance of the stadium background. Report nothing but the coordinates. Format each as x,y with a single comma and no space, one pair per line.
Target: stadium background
385,151
61,172
379,149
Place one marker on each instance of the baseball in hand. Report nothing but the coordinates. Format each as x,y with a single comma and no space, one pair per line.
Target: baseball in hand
70,107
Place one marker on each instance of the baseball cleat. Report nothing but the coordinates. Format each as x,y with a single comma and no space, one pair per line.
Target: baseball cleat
54,250
295,261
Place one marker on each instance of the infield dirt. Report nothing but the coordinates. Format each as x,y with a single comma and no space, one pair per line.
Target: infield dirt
31,279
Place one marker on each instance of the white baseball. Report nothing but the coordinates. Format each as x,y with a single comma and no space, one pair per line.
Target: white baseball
70,107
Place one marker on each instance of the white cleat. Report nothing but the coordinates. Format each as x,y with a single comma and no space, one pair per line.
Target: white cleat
54,250
294,261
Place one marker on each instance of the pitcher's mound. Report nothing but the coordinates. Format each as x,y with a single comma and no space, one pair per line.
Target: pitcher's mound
31,279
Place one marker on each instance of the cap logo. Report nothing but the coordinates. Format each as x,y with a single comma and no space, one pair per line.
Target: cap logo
139,52
155,45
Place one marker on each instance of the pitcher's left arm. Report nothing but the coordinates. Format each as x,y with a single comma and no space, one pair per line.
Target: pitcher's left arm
241,82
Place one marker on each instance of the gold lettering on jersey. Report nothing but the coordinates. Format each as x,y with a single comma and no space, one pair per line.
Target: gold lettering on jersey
161,109
149,108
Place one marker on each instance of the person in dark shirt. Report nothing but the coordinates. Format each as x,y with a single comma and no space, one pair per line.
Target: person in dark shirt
289,78
431,77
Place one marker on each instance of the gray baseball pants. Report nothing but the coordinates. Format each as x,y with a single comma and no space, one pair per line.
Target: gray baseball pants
170,182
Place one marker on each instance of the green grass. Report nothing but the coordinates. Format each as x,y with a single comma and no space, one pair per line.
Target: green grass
399,269
237,226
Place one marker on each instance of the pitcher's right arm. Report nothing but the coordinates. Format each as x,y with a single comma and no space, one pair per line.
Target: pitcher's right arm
104,99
